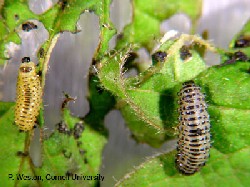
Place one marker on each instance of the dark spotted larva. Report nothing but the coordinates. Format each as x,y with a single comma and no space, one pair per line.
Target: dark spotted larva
194,130
28,95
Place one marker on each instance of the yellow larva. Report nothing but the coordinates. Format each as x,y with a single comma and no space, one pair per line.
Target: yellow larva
28,95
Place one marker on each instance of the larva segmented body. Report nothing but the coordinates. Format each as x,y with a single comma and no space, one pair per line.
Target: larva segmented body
194,130
28,96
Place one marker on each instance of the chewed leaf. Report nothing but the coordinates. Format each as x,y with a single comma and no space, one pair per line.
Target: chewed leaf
63,16
147,17
151,111
227,90
8,25
73,150
242,39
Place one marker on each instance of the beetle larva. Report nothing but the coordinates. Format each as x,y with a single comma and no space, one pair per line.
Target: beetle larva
194,130
28,95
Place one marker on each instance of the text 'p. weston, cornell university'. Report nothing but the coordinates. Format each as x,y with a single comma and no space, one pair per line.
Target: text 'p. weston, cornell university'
97,177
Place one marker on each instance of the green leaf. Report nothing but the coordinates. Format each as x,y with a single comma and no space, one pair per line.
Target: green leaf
227,86
243,35
63,16
239,48
5,107
150,99
62,153
227,90
107,29
221,169
65,154
12,143
100,103
147,17
10,24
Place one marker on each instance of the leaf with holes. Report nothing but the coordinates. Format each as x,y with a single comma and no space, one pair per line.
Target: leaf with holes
71,153
63,16
147,17
227,89
149,100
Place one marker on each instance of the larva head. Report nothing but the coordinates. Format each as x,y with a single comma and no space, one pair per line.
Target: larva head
188,83
27,67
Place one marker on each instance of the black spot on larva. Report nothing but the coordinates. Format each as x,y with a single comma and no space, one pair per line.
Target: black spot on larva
199,132
28,26
21,154
190,112
242,41
185,52
187,91
159,56
194,132
189,107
